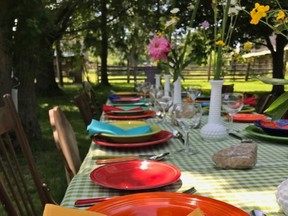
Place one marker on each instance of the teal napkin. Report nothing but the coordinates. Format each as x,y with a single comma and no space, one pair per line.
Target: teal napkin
97,127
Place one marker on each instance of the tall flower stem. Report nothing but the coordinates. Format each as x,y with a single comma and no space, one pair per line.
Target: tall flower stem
218,49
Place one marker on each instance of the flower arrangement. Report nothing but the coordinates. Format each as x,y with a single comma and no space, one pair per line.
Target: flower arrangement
223,29
166,49
275,19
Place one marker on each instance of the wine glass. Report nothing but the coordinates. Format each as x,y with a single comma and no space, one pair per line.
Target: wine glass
188,116
193,92
232,103
165,102
145,88
138,86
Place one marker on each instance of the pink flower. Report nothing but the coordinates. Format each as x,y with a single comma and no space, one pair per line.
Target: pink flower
158,48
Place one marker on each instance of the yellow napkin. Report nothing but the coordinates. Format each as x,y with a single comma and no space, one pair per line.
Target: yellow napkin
54,210
196,212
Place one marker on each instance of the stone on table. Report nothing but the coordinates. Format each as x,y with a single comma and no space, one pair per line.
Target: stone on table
239,156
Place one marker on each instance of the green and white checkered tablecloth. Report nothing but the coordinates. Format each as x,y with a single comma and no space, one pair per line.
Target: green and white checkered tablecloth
246,189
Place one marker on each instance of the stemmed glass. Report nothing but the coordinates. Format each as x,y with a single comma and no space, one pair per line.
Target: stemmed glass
145,88
165,103
138,86
188,116
194,92
232,103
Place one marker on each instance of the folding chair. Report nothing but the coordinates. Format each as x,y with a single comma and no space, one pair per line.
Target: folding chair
65,141
18,174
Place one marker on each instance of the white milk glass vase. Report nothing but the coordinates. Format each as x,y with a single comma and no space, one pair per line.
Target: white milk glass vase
167,84
214,129
177,99
157,81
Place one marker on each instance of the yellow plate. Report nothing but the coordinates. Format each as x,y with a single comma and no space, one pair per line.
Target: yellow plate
133,138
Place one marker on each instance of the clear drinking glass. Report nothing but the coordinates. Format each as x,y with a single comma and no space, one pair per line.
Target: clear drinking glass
232,103
165,103
188,116
145,88
193,92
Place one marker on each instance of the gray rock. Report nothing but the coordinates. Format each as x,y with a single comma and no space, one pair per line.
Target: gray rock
240,156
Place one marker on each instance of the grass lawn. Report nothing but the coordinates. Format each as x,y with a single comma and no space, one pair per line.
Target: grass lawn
48,159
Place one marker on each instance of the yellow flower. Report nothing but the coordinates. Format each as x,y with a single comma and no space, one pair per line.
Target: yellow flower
160,34
220,43
247,46
258,12
281,15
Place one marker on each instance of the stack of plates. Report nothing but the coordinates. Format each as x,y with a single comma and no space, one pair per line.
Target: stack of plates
156,136
270,130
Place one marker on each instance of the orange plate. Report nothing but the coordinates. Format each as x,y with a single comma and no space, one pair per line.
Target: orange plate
158,138
145,114
135,175
165,204
247,117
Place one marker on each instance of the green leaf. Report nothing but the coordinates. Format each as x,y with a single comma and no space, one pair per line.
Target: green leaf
279,107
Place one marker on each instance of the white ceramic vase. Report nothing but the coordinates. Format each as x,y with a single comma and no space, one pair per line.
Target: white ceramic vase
214,129
177,98
167,84
157,81
282,196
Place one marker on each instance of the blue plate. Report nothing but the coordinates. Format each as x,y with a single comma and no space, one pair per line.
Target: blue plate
274,131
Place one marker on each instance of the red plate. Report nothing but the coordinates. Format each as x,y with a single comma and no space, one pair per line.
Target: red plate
145,114
135,175
158,138
163,204
247,117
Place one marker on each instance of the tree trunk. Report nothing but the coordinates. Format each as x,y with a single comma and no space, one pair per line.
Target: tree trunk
46,83
104,44
58,63
5,51
278,63
26,69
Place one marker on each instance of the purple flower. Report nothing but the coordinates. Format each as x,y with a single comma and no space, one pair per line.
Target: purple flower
205,25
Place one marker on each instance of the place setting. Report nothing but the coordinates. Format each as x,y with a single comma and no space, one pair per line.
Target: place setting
271,130
127,112
127,134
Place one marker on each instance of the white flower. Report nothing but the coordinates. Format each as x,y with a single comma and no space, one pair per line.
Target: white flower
174,10
172,21
233,11
191,7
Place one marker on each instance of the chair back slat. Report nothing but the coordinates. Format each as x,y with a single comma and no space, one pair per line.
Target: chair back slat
17,167
65,141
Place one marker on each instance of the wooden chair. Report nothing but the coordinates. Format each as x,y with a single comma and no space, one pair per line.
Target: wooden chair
18,173
228,88
87,103
263,102
65,141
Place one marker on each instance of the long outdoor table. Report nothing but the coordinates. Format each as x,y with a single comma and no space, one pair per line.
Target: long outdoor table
247,189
